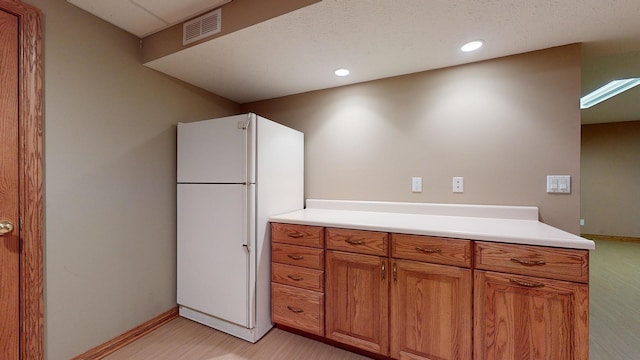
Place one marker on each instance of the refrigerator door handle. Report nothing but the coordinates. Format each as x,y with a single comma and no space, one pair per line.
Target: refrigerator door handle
244,126
249,242
245,152
249,218
246,221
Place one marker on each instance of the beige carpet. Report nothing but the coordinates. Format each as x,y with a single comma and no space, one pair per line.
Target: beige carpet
614,269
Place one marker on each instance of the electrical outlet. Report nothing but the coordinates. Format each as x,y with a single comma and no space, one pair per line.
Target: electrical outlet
458,184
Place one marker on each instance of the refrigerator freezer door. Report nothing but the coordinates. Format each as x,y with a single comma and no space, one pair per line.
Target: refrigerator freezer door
213,251
217,151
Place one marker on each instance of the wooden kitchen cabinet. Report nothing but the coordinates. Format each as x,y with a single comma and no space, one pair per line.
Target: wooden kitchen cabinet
302,256
301,235
530,317
358,241
417,297
431,304
297,277
357,290
547,262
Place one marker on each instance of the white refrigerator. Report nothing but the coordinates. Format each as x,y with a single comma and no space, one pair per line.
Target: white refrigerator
233,174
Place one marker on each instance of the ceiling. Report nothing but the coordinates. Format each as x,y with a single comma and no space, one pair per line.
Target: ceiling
145,17
298,51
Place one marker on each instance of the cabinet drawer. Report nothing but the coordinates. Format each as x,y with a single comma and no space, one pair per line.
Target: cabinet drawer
303,235
297,308
358,241
298,255
553,263
436,250
310,279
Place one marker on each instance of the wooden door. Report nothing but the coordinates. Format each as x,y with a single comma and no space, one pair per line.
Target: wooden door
529,318
357,298
9,211
430,311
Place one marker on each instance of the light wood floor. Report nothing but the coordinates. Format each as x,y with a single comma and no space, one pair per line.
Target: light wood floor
183,339
614,300
614,323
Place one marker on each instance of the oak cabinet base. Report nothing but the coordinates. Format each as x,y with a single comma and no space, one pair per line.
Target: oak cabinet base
527,318
430,311
297,277
416,297
298,308
357,299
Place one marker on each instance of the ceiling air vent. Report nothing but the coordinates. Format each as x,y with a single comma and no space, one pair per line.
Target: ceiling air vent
201,27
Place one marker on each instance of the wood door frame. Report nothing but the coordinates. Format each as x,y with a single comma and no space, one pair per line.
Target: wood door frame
31,177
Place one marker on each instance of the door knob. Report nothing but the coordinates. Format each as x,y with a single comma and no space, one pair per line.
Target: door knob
5,227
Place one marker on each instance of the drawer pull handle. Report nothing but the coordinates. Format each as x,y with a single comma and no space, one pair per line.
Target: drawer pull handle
527,284
295,257
355,242
296,310
295,235
295,277
428,251
528,262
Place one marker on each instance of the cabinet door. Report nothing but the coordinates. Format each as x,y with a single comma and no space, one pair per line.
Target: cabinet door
430,311
522,317
357,300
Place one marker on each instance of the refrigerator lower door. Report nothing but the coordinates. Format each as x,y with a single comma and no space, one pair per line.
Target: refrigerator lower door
213,264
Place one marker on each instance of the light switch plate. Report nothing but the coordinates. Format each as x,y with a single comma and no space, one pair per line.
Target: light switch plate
559,184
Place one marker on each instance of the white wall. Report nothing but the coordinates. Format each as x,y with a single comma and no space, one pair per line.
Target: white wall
503,124
110,158
610,173
110,180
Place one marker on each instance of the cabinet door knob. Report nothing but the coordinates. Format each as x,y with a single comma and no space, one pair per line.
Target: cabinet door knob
5,227
383,271
395,273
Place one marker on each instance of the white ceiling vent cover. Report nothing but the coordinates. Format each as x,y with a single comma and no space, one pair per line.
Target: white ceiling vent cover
201,27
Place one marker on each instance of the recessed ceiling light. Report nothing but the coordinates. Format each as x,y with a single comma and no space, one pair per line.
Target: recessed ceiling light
342,72
607,91
472,46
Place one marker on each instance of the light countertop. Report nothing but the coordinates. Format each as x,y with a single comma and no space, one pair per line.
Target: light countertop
507,224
